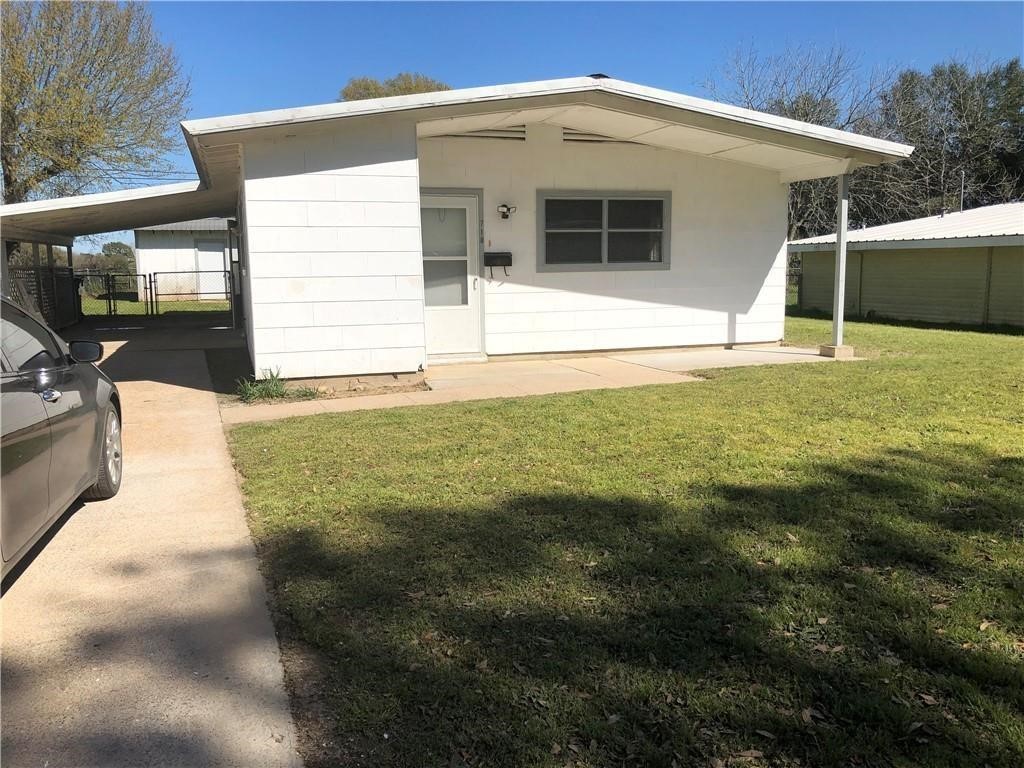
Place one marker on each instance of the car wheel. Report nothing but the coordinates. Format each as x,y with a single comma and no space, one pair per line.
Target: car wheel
108,474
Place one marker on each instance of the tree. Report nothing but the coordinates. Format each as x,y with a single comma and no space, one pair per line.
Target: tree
89,97
120,257
965,122
967,126
821,86
403,83
115,257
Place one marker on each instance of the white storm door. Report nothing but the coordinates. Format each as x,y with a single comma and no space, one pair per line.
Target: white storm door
451,274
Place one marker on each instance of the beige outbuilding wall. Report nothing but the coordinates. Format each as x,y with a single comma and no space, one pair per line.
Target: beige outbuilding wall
969,286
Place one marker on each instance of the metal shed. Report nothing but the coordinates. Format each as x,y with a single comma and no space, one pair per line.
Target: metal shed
965,268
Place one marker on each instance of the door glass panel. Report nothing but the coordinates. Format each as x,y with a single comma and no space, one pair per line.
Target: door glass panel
445,282
444,232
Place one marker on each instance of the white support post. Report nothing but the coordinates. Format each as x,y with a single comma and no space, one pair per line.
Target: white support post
839,292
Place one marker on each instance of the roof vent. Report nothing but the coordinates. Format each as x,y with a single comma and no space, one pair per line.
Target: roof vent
599,76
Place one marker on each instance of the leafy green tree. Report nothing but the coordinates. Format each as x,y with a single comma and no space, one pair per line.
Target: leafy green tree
114,257
120,257
89,97
401,84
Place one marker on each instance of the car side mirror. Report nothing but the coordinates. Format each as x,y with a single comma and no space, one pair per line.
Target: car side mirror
85,351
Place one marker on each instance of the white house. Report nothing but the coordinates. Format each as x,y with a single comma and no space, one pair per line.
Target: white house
965,267
387,235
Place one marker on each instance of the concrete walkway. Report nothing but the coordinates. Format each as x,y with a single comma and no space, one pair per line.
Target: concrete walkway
518,378
139,635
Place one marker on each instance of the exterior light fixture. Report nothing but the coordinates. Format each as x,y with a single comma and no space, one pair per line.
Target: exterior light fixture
505,210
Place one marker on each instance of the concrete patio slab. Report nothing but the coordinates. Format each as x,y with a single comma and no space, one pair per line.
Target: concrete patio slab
140,635
518,378
696,359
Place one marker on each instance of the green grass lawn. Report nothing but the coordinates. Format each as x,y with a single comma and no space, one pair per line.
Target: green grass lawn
806,565
92,306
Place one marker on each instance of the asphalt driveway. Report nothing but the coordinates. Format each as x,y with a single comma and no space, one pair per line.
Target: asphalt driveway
140,635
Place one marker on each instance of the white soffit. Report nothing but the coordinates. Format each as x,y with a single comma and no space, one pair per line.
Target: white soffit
115,211
691,139
617,125
600,121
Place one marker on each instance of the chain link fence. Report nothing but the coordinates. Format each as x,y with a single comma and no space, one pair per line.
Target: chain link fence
158,293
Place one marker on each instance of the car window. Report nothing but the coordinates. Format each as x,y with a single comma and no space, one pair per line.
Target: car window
26,344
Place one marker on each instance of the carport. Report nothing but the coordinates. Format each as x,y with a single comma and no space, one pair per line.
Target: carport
41,229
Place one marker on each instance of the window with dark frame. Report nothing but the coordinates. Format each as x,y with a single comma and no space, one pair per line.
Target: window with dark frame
590,231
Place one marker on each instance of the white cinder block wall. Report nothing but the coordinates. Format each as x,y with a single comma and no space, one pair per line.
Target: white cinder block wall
335,268
728,245
168,250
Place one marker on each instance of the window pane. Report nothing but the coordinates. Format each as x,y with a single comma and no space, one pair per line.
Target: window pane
444,231
573,214
26,343
635,214
445,283
634,247
572,248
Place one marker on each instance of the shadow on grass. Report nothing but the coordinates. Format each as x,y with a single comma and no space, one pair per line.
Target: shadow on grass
783,625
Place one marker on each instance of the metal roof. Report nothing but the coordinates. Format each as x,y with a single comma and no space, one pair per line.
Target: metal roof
990,225
212,224
594,105
571,85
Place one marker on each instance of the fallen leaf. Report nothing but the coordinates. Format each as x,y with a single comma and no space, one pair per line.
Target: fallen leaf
931,701
914,726
823,620
837,648
766,734
612,719
752,754
556,748
940,606
821,647
985,625
806,716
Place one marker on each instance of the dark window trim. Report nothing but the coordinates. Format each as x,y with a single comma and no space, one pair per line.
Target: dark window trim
544,195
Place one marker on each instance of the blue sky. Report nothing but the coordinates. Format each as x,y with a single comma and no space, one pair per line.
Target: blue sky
244,57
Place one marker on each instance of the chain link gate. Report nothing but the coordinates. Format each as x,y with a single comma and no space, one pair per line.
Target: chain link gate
181,292
104,293
158,293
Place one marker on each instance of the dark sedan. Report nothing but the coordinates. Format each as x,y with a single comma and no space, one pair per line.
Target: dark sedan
61,423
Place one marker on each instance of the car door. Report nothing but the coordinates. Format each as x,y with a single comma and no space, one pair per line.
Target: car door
25,447
68,394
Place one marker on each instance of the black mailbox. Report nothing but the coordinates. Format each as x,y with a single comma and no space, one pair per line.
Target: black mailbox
497,258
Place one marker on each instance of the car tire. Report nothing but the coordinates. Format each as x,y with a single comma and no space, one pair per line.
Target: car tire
108,474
